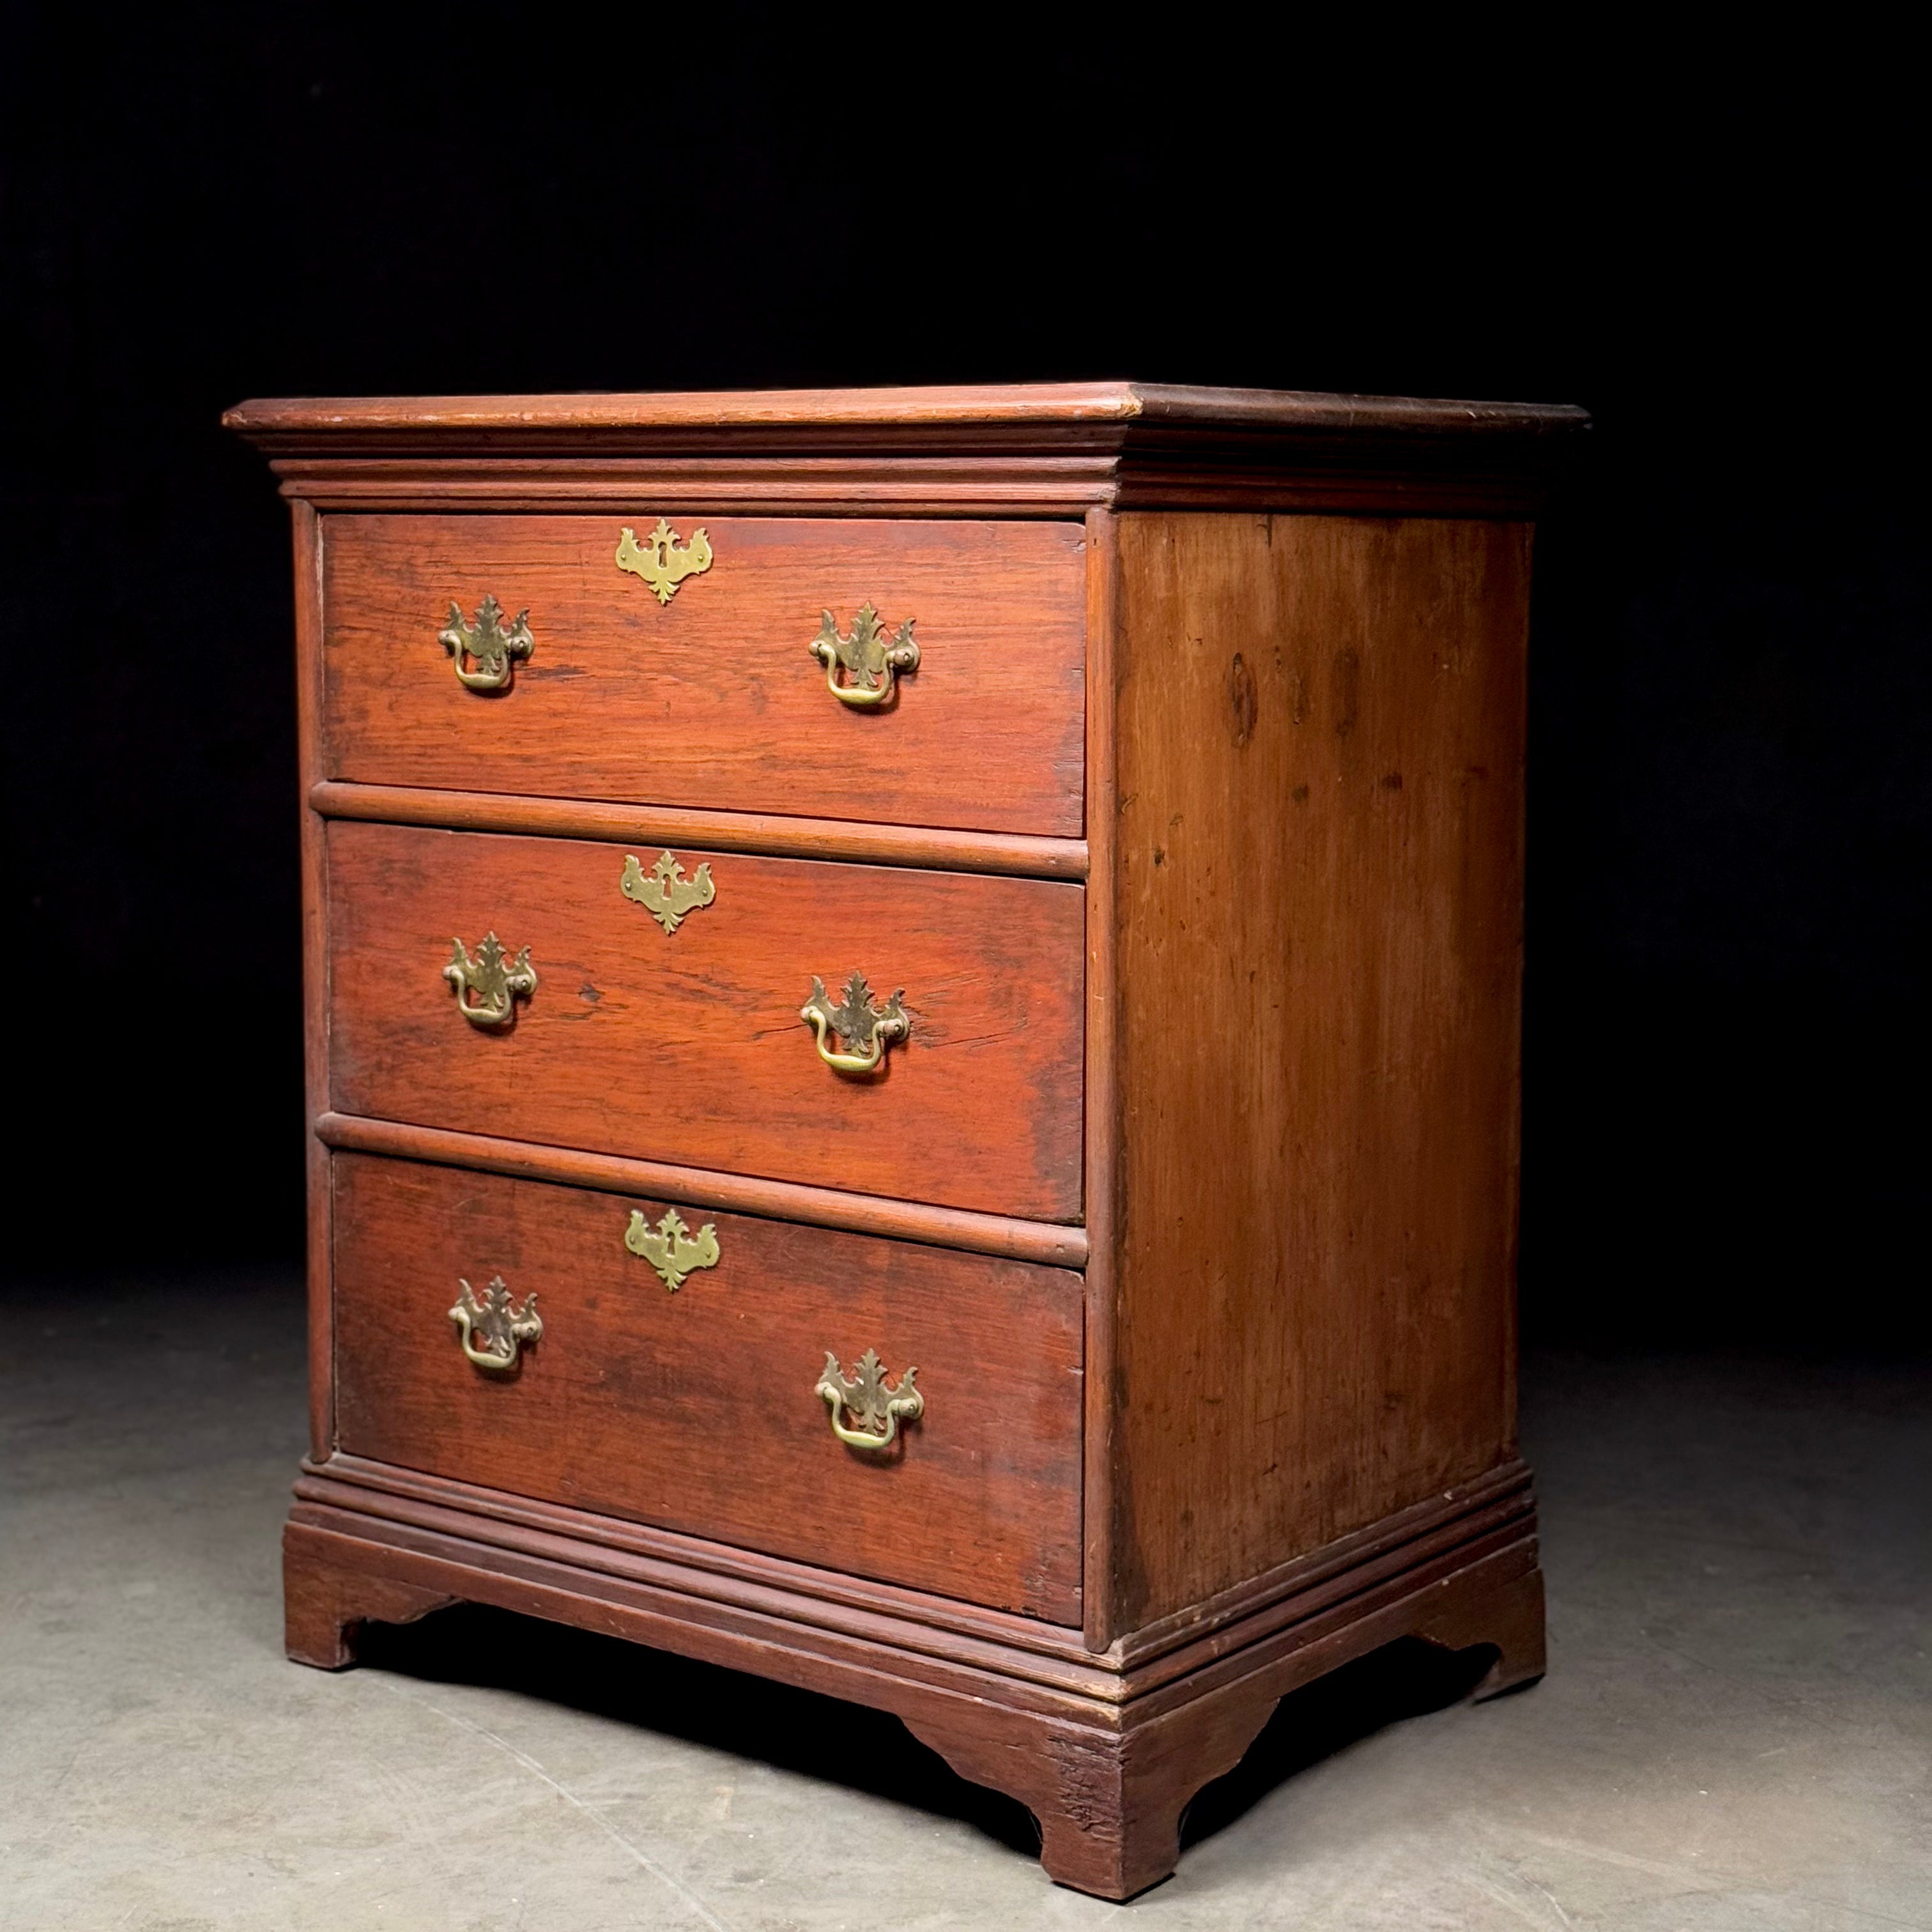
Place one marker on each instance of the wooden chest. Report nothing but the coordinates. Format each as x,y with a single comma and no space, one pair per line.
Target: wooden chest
913,1011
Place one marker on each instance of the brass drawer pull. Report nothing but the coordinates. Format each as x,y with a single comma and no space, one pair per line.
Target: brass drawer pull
492,648
487,990
870,665
664,893
502,1326
857,1020
661,560
670,1247
877,1408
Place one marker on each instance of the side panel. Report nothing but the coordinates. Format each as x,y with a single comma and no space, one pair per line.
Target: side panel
1319,873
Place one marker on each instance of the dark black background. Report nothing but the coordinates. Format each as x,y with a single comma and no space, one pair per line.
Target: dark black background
1730,809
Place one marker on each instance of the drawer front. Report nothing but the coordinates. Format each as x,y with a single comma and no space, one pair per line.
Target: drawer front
689,1046
714,699
697,1411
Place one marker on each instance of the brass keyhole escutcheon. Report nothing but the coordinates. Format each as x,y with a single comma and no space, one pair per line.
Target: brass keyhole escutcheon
670,1247
663,892
661,560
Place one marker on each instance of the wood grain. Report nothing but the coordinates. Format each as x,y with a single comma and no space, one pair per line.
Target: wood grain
707,420
749,1580
1319,879
1102,1142
997,415
1497,1507
1107,1783
325,1605
770,834
715,700
696,1410
1432,481
689,1049
307,535
1267,1051
1052,1242
1025,450
860,487
1497,1510
1109,1799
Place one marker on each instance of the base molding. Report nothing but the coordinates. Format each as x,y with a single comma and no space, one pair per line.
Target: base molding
1105,1750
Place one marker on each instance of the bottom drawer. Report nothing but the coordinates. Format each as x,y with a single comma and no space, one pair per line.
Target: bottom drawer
698,1410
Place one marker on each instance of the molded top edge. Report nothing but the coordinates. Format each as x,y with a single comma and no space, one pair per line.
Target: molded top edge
899,416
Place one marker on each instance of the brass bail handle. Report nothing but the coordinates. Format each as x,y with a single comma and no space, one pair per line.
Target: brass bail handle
877,1406
870,665
497,1323
488,987
867,1028
494,647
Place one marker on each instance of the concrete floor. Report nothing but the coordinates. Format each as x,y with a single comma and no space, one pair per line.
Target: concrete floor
1736,1732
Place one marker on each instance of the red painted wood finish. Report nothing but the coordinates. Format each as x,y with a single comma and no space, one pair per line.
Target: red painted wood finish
695,1411
689,1048
714,699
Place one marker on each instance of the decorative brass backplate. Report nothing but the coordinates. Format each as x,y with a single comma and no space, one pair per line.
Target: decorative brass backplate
488,645
663,892
661,560
863,1026
496,1322
870,665
877,1408
670,1247
487,990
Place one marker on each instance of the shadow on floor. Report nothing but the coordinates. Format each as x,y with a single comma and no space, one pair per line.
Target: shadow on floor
869,1750
1406,1679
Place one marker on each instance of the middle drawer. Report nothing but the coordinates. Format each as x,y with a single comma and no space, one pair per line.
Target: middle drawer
688,1045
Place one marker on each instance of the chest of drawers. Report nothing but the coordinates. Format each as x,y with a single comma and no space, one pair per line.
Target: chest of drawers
913,1001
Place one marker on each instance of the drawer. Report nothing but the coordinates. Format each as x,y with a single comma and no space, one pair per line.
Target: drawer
697,1411
713,699
688,1045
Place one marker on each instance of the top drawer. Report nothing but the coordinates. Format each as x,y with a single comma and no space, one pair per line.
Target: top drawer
712,699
